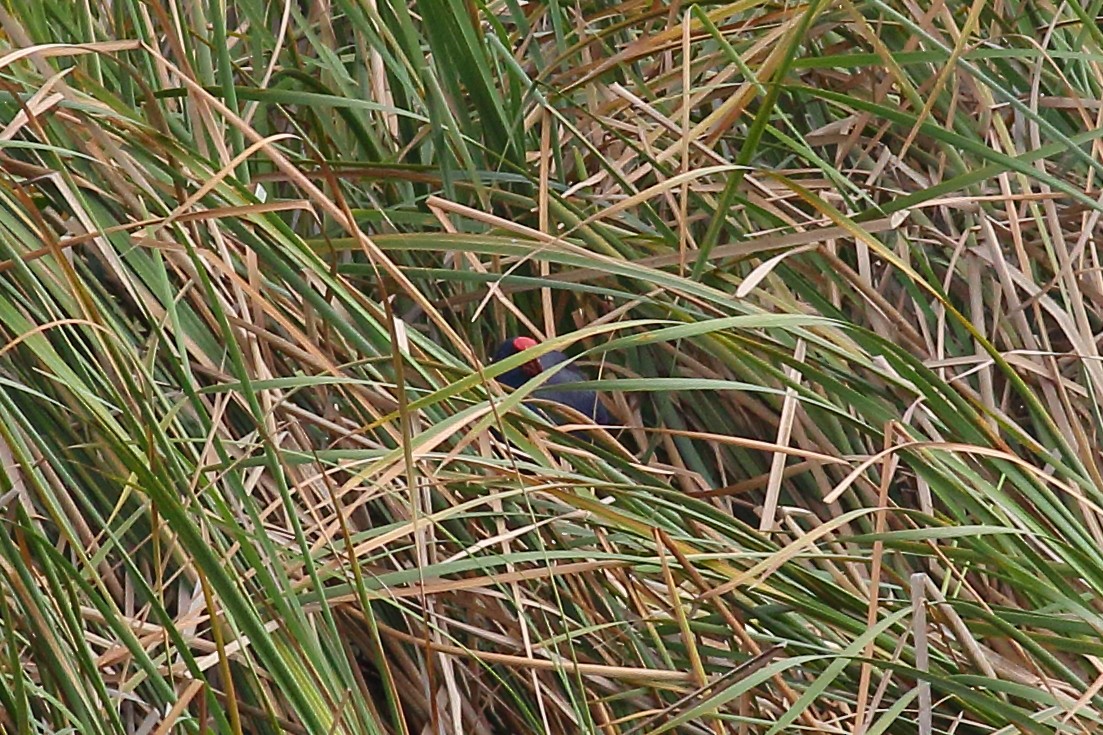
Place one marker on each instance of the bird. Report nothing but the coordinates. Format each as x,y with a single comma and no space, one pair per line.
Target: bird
584,401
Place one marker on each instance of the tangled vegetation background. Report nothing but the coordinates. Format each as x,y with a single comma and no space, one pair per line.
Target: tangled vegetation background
833,264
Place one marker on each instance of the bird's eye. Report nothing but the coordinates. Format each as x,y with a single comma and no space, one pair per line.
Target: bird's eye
531,368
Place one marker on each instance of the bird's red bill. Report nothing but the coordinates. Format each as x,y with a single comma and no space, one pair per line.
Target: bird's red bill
523,343
532,367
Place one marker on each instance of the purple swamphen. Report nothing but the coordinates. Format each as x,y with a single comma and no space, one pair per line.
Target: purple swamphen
584,401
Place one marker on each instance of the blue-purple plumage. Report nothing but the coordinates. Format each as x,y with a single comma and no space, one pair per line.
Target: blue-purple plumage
584,401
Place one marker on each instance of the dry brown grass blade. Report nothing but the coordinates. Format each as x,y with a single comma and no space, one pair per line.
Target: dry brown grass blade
647,677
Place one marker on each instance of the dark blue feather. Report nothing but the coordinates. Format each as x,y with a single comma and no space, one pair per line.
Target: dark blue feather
584,401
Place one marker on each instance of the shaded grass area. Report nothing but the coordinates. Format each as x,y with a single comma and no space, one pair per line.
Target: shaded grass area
832,264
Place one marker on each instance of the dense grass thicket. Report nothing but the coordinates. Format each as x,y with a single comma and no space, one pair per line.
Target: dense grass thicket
834,265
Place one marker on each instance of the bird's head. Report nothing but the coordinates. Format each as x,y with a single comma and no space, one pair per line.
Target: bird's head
518,376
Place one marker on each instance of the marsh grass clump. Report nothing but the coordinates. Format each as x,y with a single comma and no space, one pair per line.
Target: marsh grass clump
832,267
